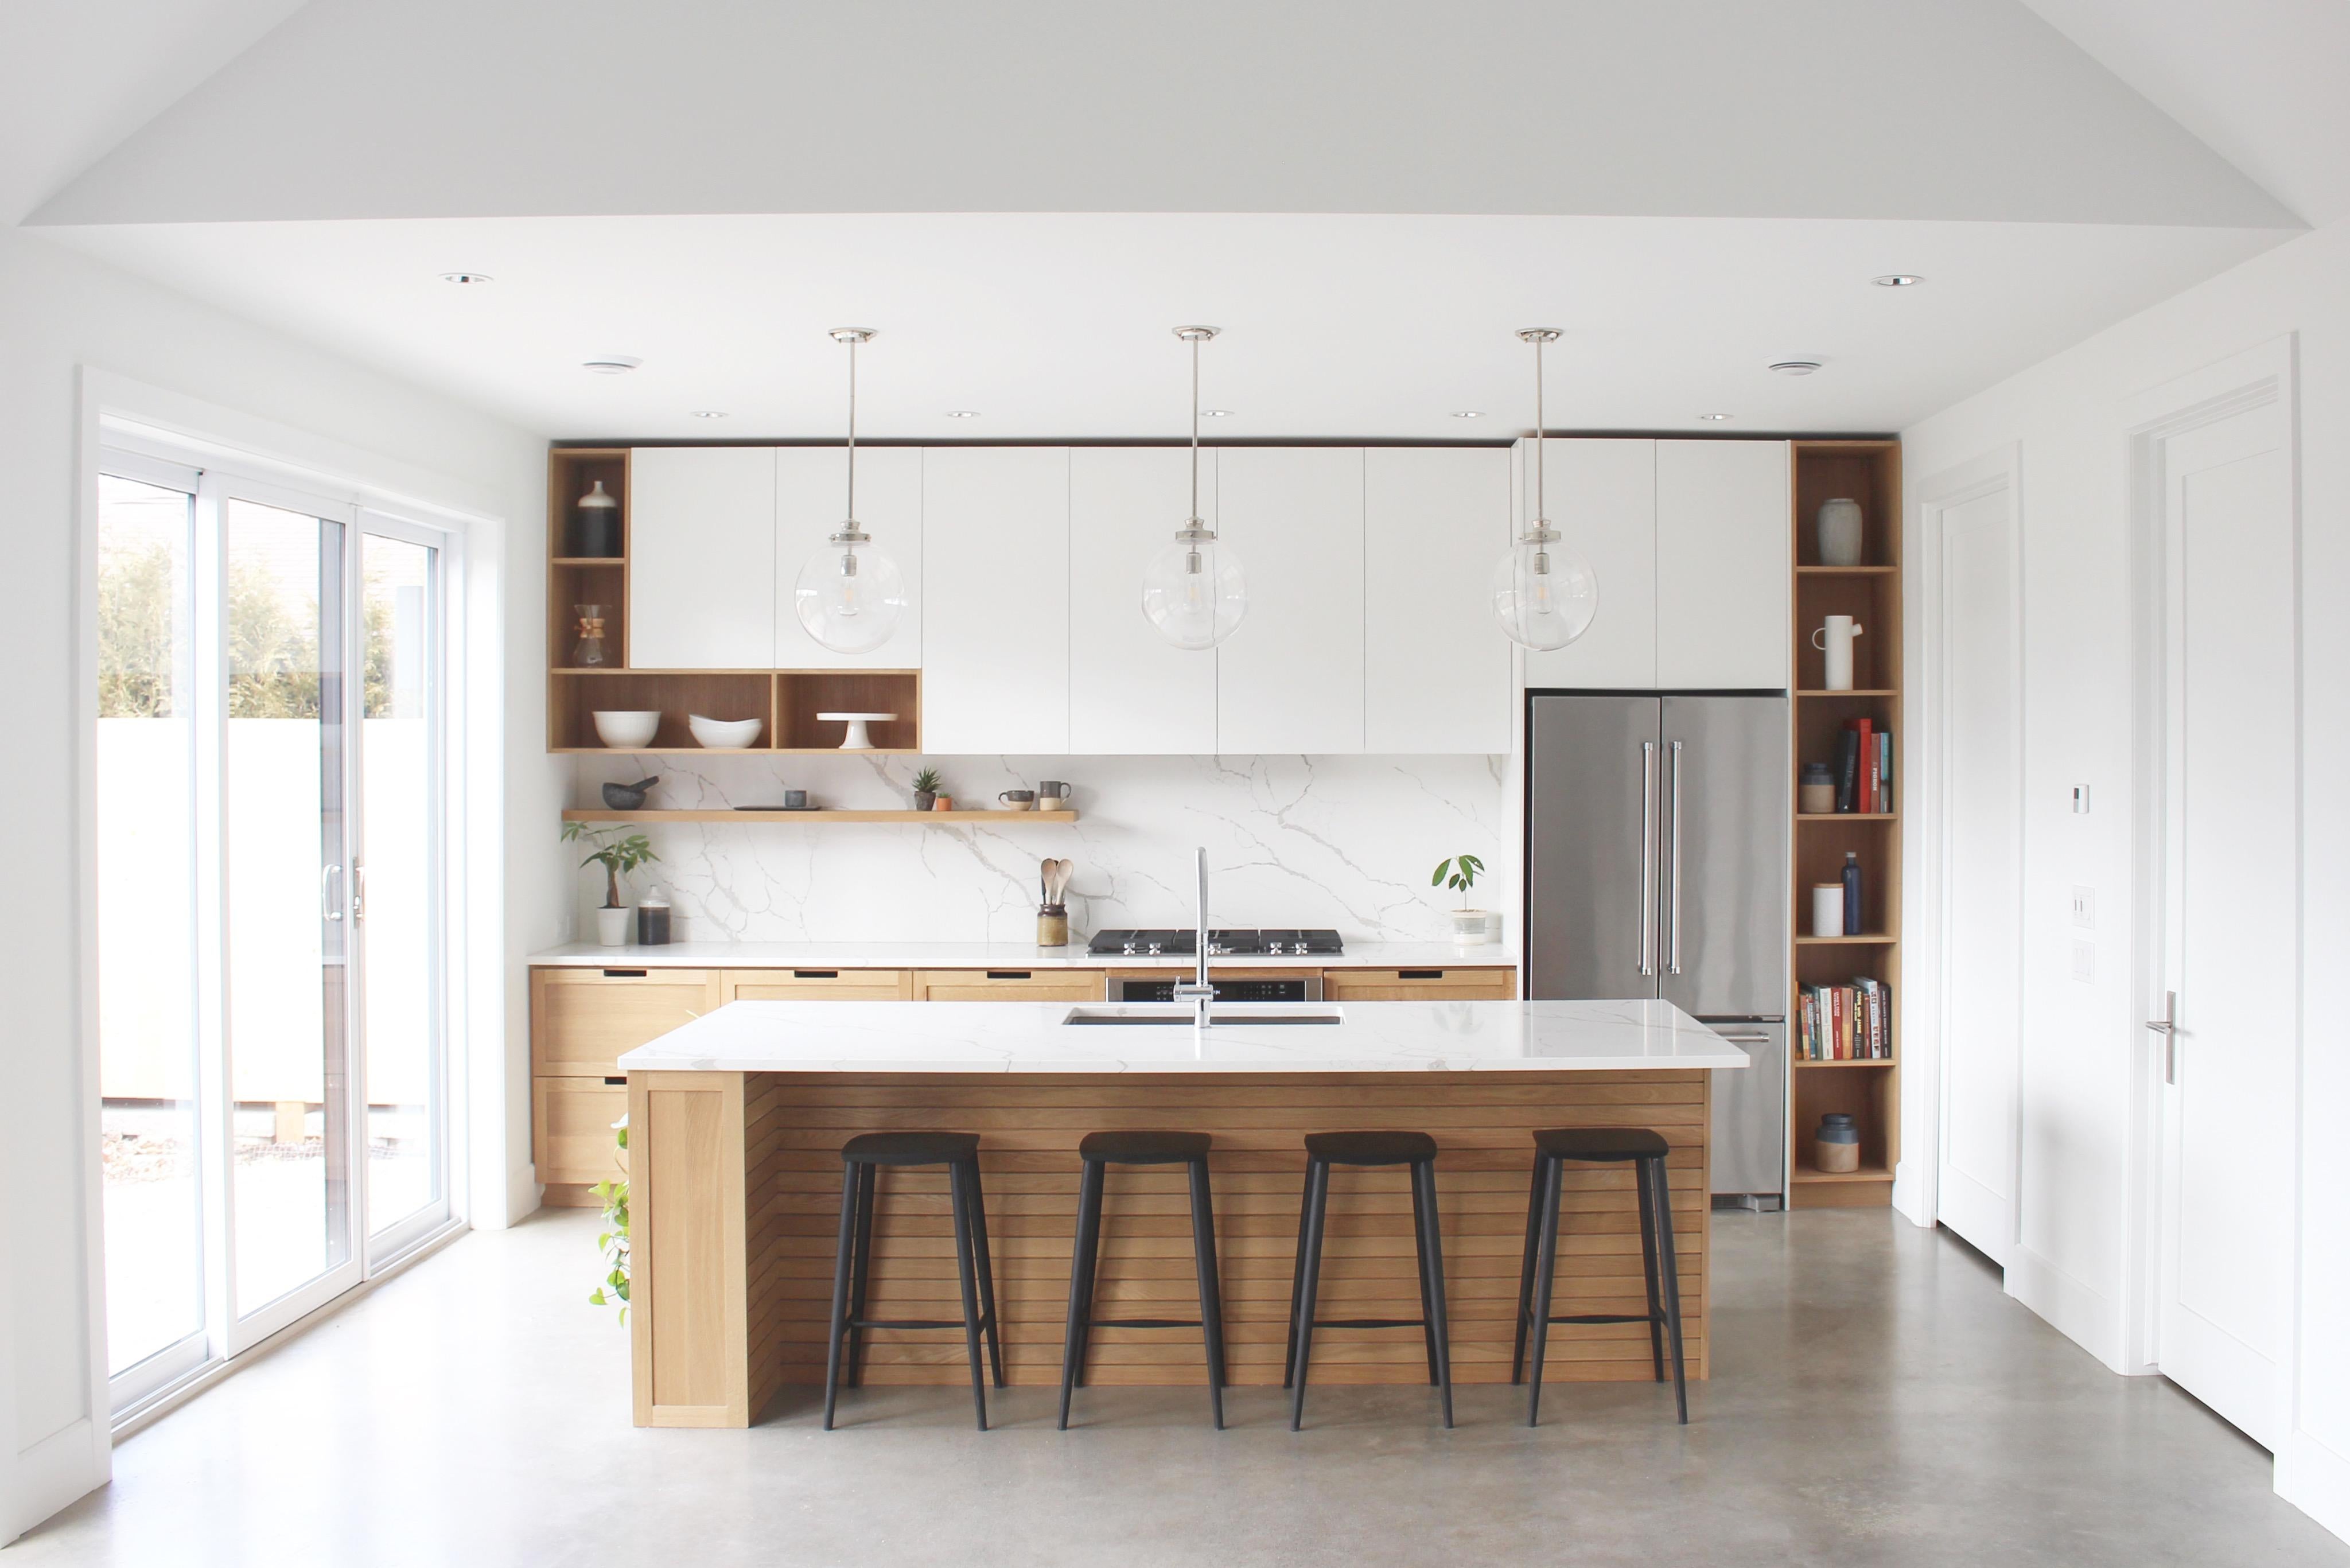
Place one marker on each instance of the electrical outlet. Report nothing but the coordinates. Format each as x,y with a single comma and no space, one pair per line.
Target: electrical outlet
2085,961
2085,907
2080,800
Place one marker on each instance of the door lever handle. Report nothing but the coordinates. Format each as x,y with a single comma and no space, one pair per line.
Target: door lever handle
329,906
2168,1027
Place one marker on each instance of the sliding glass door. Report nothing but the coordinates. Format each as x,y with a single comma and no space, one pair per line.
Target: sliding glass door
270,806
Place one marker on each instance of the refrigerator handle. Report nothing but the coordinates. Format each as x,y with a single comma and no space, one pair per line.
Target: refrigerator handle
1647,858
1673,932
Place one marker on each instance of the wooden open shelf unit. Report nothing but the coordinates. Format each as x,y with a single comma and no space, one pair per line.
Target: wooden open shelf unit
921,818
1870,473
786,700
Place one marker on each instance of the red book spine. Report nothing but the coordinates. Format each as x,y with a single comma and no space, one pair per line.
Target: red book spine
1867,766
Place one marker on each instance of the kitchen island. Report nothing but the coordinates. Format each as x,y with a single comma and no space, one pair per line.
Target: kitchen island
736,1120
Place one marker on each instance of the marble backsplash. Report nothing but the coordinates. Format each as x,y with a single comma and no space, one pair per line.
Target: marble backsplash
1344,842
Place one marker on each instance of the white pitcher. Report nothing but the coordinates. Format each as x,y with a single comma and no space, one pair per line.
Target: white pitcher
1835,640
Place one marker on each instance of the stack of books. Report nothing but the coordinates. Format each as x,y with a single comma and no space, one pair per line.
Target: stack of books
1865,767
1847,1023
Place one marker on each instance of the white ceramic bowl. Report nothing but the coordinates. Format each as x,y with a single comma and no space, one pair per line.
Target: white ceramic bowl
626,728
720,734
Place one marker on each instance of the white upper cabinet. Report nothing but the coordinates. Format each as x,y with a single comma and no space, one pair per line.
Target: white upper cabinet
1130,690
1603,498
811,500
1436,673
1722,543
702,557
995,624
1291,678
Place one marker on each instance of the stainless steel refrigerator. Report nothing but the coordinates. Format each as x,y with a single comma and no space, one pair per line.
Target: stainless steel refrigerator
1657,864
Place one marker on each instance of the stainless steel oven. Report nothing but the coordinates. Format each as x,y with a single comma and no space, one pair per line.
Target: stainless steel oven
1162,988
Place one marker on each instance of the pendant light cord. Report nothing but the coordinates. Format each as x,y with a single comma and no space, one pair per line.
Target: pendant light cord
1541,506
1195,430
852,429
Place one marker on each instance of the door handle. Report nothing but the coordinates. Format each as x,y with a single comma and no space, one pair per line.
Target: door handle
330,907
359,892
2168,1027
1673,932
1647,856
1756,1038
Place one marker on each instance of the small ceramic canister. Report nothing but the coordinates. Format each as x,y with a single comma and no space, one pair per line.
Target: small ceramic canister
1817,795
1828,908
1839,532
1053,926
1836,1149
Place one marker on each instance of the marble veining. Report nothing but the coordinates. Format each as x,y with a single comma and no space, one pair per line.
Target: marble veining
1030,1037
1338,842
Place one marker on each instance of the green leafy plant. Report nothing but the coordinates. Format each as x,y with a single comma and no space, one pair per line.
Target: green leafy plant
1459,873
616,852
613,1242
927,781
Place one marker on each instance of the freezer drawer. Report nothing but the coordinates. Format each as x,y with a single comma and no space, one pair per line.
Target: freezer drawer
1749,1110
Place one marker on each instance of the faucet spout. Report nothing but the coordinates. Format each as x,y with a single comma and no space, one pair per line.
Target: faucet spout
1199,992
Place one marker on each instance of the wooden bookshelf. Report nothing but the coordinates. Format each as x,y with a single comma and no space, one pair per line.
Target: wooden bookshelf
1870,1091
786,701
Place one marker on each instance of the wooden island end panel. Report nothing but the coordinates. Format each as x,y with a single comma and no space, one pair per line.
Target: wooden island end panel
695,1306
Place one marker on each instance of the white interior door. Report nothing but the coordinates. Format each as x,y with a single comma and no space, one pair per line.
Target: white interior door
1974,659
2230,954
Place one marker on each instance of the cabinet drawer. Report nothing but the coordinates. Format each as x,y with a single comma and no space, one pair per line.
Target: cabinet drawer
1009,985
571,1136
1449,984
582,1019
814,985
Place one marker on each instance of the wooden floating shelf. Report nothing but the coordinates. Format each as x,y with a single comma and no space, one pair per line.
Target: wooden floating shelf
1863,940
1846,816
932,818
729,751
1874,1062
591,560
1804,1173
1845,571
1864,691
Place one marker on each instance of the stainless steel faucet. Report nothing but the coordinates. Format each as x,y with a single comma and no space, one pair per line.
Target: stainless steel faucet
1198,991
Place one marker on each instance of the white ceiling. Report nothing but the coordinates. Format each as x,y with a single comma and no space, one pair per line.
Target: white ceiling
1059,326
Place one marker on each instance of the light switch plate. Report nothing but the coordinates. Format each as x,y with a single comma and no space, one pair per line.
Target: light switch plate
2085,961
2080,800
2085,906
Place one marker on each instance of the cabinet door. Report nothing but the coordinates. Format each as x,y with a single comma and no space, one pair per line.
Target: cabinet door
1008,985
581,1020
1420,985
1291,678
1603,498
702,557
814,985
811,499
571,1135
1722,543
1132,691
1435,668
995,625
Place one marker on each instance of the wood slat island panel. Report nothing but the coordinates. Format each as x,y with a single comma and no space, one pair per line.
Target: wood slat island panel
792,1125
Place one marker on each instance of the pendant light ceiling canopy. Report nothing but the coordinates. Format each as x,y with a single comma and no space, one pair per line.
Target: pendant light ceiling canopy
1545,594
1194,591
850,593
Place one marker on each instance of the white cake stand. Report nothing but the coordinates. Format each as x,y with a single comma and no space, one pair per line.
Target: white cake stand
858,739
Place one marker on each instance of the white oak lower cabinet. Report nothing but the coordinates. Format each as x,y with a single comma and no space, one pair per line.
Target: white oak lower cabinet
1008,985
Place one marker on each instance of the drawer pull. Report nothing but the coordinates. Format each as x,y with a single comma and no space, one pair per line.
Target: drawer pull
618,1083
1420,974
624,975
815,975
1007,974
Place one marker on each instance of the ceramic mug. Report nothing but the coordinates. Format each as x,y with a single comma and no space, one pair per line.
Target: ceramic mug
795,799
1835,640
1017,800
1052,790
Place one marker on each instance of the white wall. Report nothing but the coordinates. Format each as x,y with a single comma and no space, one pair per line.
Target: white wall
2073,1257
61,315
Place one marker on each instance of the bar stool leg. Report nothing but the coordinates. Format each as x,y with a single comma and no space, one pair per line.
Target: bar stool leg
959,1187
1432,1278
1318,1195
1298,1277
860,1271
1649,1267
1526,1274
1668,1272
1419,1246
976,1196
1545,1270
1212,1309
1073,1344
840,1269
1092,1274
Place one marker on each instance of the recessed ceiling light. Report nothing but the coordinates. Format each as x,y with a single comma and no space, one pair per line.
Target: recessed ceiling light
710,413
1468,413
467,277
611,364
1898,280
1215,413
1796,367
1713,416
963,413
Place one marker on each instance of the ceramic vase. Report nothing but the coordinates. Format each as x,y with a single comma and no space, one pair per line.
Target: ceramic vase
612,927
1839,532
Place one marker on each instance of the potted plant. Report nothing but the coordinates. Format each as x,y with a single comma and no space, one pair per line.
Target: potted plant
613,1241
1459,873
619,853
926,789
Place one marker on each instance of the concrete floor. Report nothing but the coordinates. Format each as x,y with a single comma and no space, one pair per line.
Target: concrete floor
1877,1400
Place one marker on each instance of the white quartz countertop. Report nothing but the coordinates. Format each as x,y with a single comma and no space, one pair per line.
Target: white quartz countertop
1030,1037
999,955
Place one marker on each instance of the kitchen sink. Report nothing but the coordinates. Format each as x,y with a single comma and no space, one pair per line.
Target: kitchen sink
1179,1014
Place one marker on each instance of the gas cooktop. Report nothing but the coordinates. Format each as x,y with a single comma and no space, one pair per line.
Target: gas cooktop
1185,943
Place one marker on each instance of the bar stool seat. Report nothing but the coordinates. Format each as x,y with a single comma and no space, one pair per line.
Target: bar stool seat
1100,1151
1416,1151
1611,1145
861,1159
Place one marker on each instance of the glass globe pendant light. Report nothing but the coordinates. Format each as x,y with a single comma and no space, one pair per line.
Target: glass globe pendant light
851,595
1545,595
1192,590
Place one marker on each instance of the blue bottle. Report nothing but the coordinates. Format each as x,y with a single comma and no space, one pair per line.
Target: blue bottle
1851,893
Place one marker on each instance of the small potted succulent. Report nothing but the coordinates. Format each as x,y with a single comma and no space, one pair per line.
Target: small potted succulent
619,853
1459,873
926,789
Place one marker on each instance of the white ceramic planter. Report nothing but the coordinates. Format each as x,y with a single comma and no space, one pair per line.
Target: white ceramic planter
1471,925
612,927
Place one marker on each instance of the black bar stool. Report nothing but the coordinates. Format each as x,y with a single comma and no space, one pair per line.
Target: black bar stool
1100,1151
1323,1150
861,1158
1644,1151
